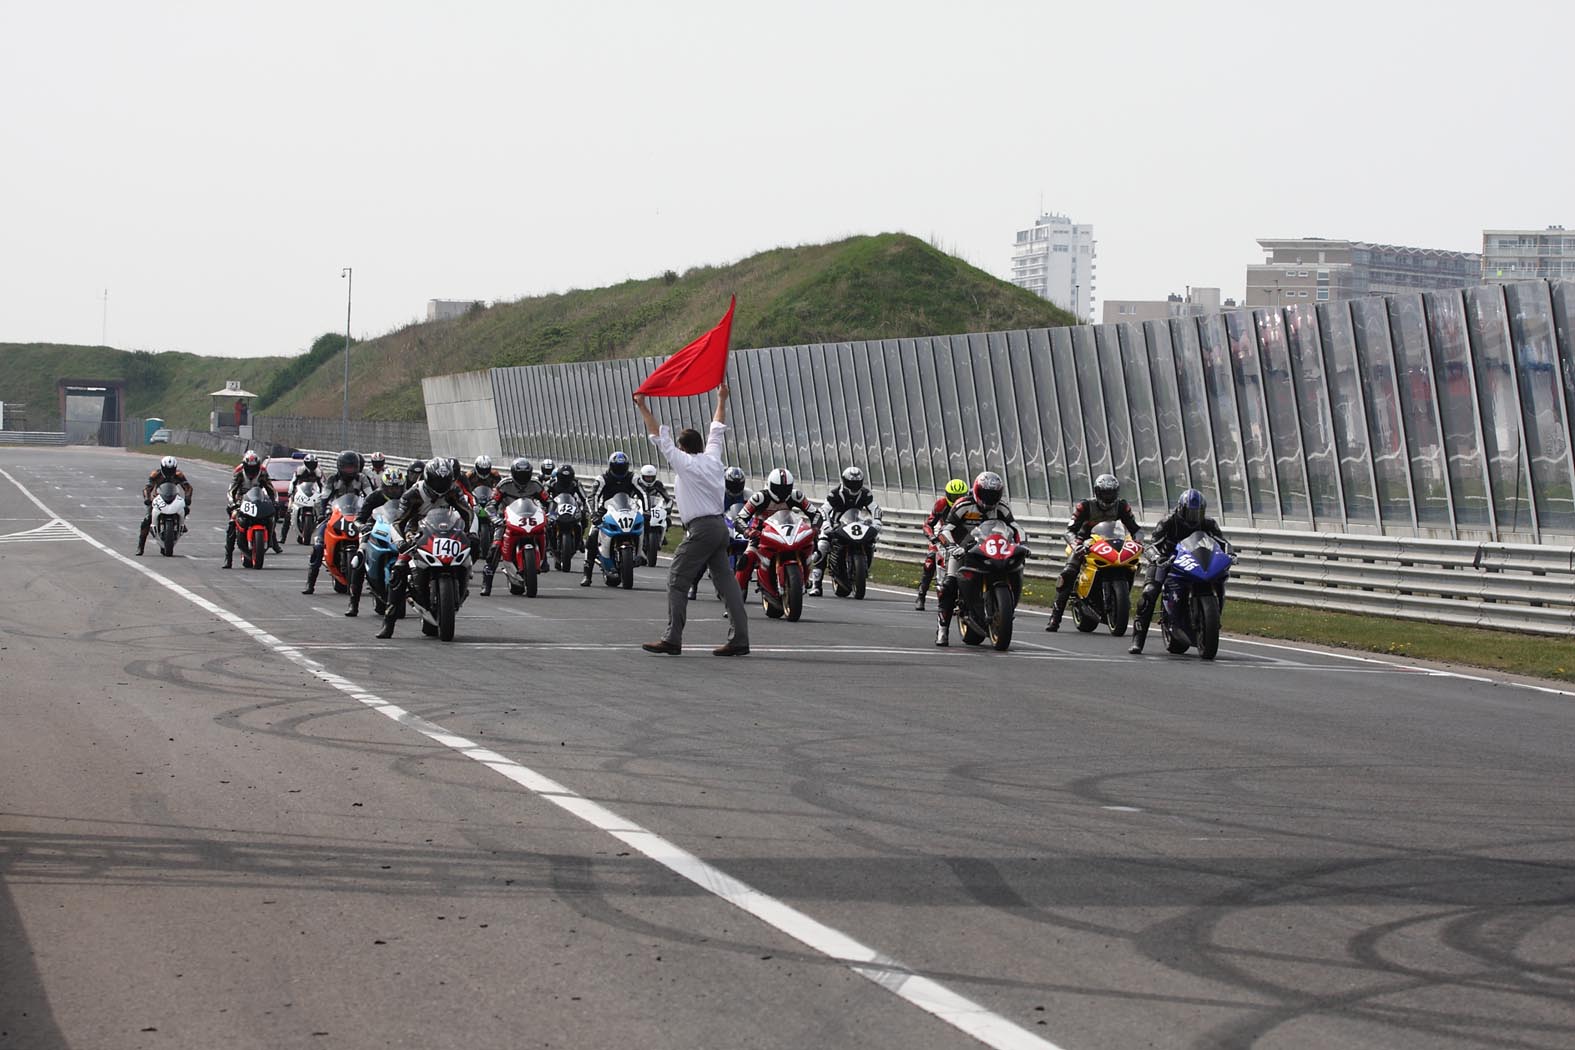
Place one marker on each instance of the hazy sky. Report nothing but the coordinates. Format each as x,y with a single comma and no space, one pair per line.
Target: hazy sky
215,165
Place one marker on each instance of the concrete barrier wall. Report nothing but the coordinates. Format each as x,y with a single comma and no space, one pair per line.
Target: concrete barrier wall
462,417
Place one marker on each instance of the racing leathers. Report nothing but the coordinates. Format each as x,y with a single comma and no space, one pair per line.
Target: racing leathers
758,508
338,484
1085,516
932,522
606,487
838,503
561,484
951,539
240,484
413,506
505,492
1170,531
155,479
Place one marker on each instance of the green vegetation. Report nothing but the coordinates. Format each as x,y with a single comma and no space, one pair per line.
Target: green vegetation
327,347
1536,656
173,386
878,287
184,452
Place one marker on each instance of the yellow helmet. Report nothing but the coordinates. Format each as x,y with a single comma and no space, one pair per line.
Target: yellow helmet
956,489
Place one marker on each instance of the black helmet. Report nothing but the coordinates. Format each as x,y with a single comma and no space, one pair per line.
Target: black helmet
618,464
780,482
439,477
1190,508
520,470
1106,491
852,481
350,463
566,472
250,464
988,488
735,480
414,472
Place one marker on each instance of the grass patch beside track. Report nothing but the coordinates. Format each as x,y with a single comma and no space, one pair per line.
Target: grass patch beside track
228,459
1536,656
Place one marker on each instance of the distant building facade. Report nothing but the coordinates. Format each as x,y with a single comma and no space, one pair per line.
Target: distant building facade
1197,301
1523,255
1316,269
444,309
1054,258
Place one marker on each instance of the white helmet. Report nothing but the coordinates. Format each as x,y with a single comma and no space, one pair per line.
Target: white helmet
648,474
168,466
780,483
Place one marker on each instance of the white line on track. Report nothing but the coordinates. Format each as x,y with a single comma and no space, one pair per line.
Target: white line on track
930,995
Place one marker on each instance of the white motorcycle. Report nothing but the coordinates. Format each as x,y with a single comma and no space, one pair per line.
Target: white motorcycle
169,516
655,530
304,510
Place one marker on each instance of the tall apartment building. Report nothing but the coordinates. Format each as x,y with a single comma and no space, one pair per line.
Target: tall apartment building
1520,255
1316,269
1054,258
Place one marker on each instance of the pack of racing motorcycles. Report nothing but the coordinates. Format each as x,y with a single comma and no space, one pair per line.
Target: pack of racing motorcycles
413,537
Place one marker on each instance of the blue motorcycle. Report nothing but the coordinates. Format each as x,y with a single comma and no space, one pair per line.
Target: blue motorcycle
623,525
375,561
1194,594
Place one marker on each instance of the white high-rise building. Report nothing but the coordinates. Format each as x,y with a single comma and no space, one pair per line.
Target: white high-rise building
1055,258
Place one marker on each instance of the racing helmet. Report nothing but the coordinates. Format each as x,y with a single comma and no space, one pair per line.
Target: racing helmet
988,488
349,464
780,484
520,470
483,466
376,462
734,480
618,464
853,481
415,472
1107,490
393,482
547,468
648,475
439,477
309,461
168,467
251,466
1190,508
956,489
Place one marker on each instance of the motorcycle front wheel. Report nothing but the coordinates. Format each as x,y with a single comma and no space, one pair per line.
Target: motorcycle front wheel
1002,616
1118,604
626,567
1206,623
859,574
445,607
169,529
528,570
259,548
793,592
653,546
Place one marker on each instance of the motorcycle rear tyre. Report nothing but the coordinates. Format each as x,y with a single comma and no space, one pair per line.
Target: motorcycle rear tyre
793,593
305,523
259,548
626,567
169,530
444,606
1005,613
1118,606
1207,623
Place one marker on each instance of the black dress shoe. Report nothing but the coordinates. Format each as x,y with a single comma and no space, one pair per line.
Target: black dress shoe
663,647
730,650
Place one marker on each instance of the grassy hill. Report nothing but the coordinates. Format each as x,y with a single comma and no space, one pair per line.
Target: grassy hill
876,287
173,386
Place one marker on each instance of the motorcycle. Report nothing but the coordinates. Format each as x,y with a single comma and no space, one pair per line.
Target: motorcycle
1194,594
990,583
303,511
486,527
655,531
853,538
565,527
254,524
169,516
440,571
786,542
1103,594
374,561
623,525
525,540
341,541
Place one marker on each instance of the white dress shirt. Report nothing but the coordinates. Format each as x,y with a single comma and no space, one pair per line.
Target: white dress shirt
701,484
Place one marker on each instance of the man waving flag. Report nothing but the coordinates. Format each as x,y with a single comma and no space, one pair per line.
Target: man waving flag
696,368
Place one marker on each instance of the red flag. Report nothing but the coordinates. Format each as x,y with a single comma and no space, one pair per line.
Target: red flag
698,367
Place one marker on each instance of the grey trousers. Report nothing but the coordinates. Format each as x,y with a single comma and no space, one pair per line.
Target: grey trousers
704,547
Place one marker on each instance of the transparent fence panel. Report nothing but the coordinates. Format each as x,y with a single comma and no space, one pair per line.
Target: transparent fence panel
970,414
1214,350
995,384
1391,464
1455,386
873,457
1096,432
1020,401
1498,398
1285,432
1168,413
773,372
1563,293
918,400
1118,420
1195,414
991,454
819,397
1247,376
1424,438
1150,495
1041,363
842,360
950,418
1073,428
936,440
1542,404
885,452
1312,408
901,398
1348,406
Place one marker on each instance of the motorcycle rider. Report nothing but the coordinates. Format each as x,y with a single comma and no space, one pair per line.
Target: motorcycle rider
390,487
168,470
376,463
481,473
984,502
651,490
955,490
520,484
438,486
250,473
560,481
852,494
546,471
778,495
617,479
1189,516
347,478
733,496
305,471
1107,505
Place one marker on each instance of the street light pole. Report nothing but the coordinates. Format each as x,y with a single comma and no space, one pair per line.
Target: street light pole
349,289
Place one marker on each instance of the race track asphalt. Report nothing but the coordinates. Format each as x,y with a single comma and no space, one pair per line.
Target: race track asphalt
231,818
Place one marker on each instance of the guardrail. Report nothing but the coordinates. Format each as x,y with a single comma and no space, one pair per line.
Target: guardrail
32,437
1518,587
